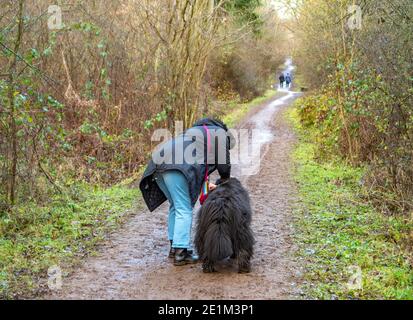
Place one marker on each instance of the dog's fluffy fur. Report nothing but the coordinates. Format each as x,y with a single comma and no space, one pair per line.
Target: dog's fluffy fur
223,228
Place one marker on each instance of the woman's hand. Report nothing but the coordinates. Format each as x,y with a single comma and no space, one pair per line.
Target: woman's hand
212,186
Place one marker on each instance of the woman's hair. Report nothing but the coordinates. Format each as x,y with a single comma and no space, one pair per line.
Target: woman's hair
211,121
218,123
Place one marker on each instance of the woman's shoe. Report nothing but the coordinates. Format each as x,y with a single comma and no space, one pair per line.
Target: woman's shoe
183,257
171,251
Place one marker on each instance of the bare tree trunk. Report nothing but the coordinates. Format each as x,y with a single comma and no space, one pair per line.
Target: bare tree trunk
13,127
187,34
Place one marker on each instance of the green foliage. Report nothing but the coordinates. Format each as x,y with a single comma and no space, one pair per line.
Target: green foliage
338,230
158,118
246,13
355,116
87,27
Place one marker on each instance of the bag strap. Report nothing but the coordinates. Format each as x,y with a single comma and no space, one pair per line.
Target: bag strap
208,151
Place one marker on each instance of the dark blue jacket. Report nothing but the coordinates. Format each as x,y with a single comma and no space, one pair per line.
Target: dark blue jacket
194,171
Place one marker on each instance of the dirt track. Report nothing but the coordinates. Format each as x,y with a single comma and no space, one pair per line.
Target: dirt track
133,263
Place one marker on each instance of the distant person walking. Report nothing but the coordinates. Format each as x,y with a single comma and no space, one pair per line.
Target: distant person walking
282,79
288,80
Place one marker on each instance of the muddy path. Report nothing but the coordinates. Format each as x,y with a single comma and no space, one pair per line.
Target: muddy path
133,263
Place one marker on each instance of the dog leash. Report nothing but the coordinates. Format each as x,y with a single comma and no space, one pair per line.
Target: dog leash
205,186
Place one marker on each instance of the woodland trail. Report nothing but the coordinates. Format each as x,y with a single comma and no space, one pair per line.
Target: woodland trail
133,262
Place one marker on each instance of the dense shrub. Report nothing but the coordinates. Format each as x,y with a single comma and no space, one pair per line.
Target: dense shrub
362,105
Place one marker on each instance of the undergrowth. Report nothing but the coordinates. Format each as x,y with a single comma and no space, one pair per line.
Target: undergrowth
37,237
351,250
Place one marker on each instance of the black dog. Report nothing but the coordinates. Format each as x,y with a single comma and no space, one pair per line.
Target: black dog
223,228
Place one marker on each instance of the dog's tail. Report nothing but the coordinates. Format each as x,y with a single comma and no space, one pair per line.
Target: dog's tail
216,243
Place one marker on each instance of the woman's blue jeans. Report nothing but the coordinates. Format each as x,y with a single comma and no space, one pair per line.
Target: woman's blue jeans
175,187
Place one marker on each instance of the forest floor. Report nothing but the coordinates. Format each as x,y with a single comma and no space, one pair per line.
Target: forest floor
133,264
